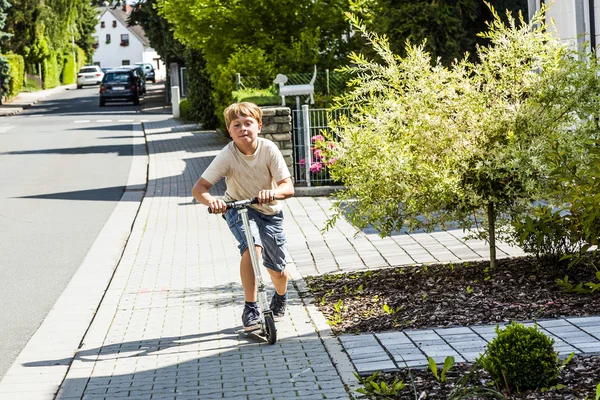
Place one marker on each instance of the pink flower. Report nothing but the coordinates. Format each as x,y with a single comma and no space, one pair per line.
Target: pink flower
316,167
318,154
318,138
331,161
303,162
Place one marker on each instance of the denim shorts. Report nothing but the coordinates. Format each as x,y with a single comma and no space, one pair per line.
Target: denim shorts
267,231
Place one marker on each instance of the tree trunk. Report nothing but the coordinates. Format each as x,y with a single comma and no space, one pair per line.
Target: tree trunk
492,232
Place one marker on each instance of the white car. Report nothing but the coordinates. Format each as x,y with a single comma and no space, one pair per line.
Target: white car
89,75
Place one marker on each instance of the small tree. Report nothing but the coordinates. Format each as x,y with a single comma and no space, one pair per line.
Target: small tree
429,146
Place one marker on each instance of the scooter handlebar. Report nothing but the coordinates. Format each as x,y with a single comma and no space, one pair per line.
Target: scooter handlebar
238,204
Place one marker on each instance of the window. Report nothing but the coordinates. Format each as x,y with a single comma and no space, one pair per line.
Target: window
107,38
101,24
125,39
126,62
114,24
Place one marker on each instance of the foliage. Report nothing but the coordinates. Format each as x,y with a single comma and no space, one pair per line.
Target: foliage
379,388
184,109
547,234
17,72
276,36
31,85
4,6
52,68
521,358
427,145
260,97
158,31
69,70
202,106
253,60
441,376
448,28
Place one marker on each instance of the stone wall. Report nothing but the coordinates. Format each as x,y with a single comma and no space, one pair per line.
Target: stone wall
277,127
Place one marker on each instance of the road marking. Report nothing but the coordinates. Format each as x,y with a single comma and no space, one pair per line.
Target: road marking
82,121
126,120
104,120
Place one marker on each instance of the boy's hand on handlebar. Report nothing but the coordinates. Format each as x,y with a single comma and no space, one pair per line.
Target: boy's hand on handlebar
217,206
266,196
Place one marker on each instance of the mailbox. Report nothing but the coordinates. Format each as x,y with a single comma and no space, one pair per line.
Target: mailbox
296,90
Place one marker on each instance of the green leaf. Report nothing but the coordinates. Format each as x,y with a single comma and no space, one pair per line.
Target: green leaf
448,363
433,367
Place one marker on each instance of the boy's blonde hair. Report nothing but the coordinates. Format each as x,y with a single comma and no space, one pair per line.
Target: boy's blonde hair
244,109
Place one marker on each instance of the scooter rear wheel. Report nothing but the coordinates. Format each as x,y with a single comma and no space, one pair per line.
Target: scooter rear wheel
270,331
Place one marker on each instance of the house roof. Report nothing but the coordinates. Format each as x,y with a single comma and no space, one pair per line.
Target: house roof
122,17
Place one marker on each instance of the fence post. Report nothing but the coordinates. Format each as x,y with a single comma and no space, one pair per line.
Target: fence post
175,101
238,81
327,79
307,141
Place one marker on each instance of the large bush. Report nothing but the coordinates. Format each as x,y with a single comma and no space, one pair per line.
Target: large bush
427,146
69,70
521,358
17,74
201,105
52,70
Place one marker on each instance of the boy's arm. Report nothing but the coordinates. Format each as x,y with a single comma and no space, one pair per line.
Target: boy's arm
285,189
200,193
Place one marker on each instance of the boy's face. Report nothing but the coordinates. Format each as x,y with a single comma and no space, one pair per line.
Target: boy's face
244,130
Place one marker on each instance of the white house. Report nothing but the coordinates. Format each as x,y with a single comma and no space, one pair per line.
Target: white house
117,44
577,21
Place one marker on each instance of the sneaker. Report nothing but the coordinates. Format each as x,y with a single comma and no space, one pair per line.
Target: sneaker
251,318
278,307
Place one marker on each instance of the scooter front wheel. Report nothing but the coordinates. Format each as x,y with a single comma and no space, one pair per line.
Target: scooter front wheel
270,331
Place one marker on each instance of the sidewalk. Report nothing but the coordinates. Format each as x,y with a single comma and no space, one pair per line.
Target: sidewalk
26,99
167,326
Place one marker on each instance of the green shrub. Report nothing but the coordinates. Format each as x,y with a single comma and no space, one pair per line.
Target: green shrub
184,109
70,68
521,358
260,97
31,85
52,70
17,71
548,234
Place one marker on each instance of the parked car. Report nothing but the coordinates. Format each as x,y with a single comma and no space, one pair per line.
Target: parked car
149,70
141,73
89,75
123,84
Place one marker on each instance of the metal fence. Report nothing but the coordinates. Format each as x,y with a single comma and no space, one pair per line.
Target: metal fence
328,83
309,168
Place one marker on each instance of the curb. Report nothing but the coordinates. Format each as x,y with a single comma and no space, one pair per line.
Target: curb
16,106
333,346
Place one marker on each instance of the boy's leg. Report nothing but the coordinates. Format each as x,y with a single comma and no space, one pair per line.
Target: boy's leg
280,280
247,275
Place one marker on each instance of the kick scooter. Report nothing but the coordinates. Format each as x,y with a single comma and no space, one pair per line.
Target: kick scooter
266,321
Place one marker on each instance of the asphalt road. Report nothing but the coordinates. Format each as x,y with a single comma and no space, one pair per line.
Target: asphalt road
64,164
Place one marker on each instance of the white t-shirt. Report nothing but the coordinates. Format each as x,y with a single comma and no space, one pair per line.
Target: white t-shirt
246,175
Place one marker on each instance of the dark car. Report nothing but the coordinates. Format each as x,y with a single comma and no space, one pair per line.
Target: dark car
140,72
149,70
121,85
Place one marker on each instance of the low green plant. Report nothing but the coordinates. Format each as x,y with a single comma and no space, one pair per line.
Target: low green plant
390,310
440,376
548,234
521,358
260,97
372,387
580,288
598,392
336,318
184,109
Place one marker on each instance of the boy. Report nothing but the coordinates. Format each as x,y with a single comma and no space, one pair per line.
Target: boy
252,167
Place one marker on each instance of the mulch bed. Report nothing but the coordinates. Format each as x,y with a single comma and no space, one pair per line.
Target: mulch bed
462,294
